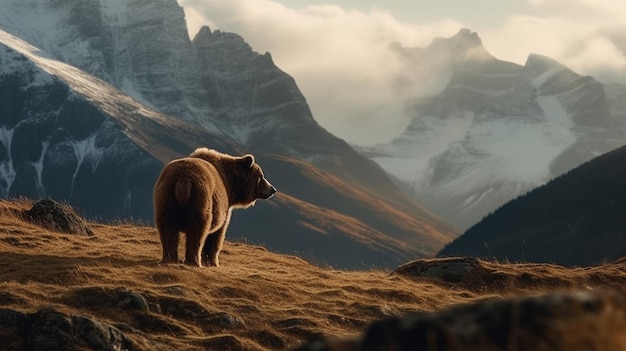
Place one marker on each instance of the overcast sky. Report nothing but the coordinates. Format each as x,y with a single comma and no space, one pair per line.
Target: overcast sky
338,50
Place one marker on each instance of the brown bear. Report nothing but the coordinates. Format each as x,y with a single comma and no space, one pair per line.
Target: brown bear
196,195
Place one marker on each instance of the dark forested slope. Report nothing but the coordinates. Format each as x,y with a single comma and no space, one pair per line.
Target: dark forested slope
576,219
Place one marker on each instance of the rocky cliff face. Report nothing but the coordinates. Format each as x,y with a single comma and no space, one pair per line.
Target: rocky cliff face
107,92
499,130
58,138
217,80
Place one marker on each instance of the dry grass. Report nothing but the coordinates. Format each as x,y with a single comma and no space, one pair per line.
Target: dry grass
257,300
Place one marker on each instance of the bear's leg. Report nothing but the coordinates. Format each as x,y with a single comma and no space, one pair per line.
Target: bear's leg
169,241
213,245
196,236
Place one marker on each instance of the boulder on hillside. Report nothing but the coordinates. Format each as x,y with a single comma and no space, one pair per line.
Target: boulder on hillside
48,329
461,270
480,275
56,217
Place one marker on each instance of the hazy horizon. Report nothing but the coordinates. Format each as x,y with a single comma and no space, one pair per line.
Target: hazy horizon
337,51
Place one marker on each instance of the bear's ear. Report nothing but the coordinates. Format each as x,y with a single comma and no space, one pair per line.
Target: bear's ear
248,160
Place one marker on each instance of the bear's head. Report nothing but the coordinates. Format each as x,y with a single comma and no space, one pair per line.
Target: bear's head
258,186
243,176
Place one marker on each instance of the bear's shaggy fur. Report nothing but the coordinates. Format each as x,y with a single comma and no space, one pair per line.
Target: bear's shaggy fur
196,195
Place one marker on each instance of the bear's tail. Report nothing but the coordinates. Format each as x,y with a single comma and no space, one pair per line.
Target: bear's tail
182,192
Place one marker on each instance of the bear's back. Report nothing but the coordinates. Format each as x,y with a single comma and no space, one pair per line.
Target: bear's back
201,177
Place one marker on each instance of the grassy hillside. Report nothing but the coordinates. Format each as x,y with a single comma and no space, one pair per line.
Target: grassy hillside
256,300
329,220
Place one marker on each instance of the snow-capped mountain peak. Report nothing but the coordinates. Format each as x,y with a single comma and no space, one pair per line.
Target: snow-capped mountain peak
498,130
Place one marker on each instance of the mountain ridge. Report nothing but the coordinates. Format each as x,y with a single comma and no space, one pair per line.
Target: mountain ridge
87,131
497,129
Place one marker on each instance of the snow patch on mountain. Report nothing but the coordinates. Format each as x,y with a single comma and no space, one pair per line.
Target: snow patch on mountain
80,151
38,165
545,76
32,17
521,150
408,157
7,171
85,149
46,25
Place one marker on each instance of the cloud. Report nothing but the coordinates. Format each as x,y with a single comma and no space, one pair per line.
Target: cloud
340,58
585,35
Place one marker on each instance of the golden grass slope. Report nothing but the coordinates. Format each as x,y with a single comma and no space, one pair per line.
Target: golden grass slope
257,300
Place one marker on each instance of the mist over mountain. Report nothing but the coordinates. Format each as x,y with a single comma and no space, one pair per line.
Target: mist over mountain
97,95
497,129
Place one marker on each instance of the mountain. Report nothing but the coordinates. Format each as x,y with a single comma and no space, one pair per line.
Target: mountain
98,95
576,219
497,129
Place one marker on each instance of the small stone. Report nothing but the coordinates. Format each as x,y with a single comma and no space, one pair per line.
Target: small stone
133,301
226,321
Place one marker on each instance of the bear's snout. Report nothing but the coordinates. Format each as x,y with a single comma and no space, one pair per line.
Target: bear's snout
267,190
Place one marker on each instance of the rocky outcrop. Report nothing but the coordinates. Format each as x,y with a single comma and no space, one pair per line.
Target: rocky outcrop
56,217
56,143
48,329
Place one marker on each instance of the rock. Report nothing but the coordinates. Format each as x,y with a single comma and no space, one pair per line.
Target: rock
453,269
557,321
48,329
154,307
10,322
56,217
133,301
223,342
99,336
226,321
175,290
268,339
467,272
487,276
10,318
